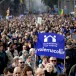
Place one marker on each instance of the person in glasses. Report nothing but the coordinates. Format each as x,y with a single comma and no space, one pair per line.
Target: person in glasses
54,61
21,63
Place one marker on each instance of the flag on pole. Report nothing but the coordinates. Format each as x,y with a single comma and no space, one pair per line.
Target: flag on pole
61,12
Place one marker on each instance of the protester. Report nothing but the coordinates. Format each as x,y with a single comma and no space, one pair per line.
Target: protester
17,71
39,72
53,60
24,55
72,71
15,62
3,59
27,71
19,36
44,62
28,61
50,70
8,71
11,53
21,63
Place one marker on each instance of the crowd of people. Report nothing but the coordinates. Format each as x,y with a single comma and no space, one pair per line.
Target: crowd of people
18,37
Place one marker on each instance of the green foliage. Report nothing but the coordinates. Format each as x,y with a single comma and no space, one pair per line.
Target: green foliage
50,2
4,6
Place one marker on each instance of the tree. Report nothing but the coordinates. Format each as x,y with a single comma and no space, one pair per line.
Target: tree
50,3
16,7
12,4
4,4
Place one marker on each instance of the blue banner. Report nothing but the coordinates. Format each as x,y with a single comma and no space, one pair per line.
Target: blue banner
50,44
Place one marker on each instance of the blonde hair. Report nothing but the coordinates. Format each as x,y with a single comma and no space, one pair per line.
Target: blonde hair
51,64
31,50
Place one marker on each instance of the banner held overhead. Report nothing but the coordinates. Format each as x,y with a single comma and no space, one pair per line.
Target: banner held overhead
50,44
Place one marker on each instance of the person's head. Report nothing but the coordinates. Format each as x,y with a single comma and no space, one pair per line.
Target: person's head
23,40
49,67
11,46
41,66
14,45
20,40
32,51
28,58
8,71
44,59
17,71
21,63
24,47
24,52
27,71
15,59
39,72
53,60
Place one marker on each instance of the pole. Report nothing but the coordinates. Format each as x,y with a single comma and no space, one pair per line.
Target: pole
65,62
35,63
64,66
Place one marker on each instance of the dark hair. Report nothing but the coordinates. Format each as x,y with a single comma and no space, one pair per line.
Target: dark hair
8,69
44,57
26,68
11,45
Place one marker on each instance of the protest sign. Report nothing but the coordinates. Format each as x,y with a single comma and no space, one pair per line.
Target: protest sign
50,44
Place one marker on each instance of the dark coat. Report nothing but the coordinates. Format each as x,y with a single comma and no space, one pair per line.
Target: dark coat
72,60
73,71
50,74
3,61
